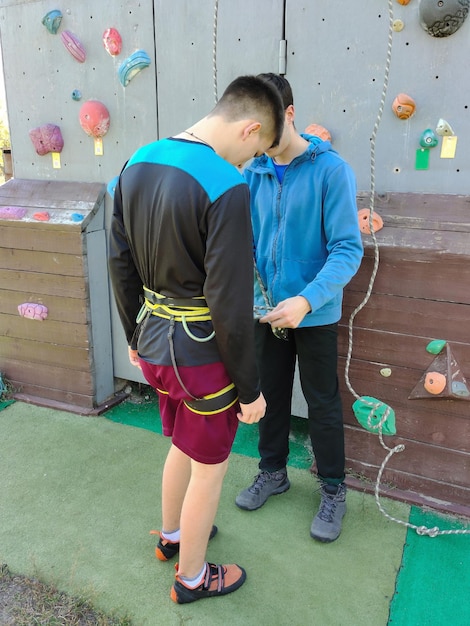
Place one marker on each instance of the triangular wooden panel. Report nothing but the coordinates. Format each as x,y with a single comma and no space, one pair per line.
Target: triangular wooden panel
444,364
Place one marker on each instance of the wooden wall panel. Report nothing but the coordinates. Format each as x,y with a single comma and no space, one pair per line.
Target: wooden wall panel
421,293
66,357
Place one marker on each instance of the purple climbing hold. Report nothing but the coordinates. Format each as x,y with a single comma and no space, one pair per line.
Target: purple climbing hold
47,138
12,212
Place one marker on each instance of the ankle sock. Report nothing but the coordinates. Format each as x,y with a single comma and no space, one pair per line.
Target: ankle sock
173,536
192,583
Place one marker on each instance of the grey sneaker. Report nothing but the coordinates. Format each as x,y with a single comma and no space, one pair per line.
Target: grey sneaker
265,484
326,525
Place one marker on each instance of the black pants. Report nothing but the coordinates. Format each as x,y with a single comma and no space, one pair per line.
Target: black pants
317,351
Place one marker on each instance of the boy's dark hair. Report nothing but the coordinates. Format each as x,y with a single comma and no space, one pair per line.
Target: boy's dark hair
282,85
251,96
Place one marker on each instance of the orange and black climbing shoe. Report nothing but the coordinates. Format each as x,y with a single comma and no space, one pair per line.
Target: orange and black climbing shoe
166,550
218,581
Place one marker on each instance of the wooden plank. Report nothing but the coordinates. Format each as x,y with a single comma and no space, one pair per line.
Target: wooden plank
408,316
59,332
60,309
23,373
422,211
45,239
416,278
396,349
417,460
49,353
44,194
417,490
48,397
37,284
419,244
42,262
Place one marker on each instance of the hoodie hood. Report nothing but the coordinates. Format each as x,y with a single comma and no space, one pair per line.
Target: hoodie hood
317,146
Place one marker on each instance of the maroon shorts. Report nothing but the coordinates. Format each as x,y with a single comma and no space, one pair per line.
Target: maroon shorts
205,438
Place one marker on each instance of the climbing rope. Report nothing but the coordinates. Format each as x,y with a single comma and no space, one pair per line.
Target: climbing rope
214,48
420,530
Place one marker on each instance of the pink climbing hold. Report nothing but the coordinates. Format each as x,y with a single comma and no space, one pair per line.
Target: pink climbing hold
12,212
74,46
47,138
112,41
33,311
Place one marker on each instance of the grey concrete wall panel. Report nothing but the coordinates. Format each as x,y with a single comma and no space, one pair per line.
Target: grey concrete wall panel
247,42
40,76
336,60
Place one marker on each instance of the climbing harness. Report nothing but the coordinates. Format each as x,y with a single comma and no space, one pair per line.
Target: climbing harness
186,310
371,402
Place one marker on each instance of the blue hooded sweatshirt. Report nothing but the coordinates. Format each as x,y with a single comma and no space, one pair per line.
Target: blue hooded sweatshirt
306,233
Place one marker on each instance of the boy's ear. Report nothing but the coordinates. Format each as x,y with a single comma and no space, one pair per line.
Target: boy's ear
250,129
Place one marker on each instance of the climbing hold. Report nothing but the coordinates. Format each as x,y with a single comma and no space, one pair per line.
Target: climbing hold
398,25
403,106
94,118
428,139
41,216
364,221
404,2
132,66
370,413
441,18
318,131
12,212
386,372
76,95
74,46
435,383
443,378
443,128
112,41
52,21
111,186
33,311
47,138
77,217
435,346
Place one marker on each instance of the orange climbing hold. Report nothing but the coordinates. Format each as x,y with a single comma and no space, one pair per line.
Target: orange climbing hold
364,221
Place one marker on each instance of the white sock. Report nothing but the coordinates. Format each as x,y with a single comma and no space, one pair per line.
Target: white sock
192,583
173,536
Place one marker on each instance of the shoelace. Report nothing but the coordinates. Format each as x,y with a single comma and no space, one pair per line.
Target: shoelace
328,506
259,483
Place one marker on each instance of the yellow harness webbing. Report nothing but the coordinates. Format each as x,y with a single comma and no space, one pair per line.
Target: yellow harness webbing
185,310
179,309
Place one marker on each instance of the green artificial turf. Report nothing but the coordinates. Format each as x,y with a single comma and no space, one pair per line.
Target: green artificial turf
79,496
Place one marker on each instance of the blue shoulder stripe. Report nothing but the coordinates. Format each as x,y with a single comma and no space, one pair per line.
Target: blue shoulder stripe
210,170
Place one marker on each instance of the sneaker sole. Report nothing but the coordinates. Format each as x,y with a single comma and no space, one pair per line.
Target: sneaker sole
276,492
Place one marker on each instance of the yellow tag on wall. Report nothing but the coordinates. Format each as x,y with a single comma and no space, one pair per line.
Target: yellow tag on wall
449,145
56,160
98,146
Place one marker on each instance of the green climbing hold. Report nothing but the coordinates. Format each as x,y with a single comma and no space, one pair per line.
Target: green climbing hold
369,413
435,347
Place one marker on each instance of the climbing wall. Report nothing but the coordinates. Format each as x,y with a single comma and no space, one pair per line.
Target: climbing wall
347,62
385,81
